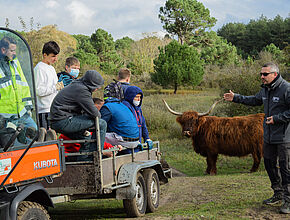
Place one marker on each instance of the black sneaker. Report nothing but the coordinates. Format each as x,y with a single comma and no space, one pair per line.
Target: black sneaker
285,208
276,199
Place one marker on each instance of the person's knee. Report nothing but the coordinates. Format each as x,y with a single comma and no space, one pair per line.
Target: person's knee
270,163
56,128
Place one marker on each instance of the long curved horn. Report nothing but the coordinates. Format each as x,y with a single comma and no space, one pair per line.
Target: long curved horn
170,110
210,109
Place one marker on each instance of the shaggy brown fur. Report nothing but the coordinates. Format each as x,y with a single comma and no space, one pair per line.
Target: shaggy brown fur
231,136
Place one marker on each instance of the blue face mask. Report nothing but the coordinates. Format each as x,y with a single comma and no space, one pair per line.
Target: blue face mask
74,73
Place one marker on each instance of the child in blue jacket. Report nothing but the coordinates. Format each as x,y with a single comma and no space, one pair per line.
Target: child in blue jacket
133,100
72,69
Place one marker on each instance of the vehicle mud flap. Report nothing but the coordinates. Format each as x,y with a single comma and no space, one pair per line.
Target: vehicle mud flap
128,192
128,173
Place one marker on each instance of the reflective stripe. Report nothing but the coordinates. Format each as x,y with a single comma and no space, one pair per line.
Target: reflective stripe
2,73
14,64
7,115
6,84
28,103
21,83
23,111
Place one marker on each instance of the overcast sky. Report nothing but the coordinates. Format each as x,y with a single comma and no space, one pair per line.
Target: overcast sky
126,17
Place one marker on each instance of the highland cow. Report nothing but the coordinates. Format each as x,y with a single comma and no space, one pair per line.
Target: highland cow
231,136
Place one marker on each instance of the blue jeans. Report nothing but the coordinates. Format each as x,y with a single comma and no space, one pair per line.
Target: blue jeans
28,122
74,128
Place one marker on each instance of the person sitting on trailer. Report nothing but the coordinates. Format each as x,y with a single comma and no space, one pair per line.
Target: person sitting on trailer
133,100
75,147
122,128
73,111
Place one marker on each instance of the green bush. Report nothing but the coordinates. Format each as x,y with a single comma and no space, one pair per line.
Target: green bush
243,79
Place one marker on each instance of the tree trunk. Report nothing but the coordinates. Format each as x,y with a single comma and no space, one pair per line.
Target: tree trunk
180,39
175,88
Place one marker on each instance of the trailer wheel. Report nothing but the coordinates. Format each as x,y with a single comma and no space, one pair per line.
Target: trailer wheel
137,207
153,189
31,211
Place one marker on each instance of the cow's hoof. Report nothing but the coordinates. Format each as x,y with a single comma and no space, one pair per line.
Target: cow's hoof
253,170
206,173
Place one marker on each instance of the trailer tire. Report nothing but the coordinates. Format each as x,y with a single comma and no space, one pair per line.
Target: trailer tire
153,189
137,206
31,210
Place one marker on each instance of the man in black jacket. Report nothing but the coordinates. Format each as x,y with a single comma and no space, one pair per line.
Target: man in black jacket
275,95
73,110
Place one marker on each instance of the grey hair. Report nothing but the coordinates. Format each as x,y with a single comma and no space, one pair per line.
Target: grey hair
273,67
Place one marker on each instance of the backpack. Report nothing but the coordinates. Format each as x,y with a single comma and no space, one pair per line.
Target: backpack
114,89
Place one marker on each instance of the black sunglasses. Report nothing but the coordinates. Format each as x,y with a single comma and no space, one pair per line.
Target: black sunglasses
266,74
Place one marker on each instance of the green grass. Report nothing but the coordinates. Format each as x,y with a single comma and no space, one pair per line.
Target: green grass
88,209
232,194
223,197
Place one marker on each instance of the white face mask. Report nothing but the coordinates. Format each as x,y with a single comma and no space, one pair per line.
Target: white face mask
136,103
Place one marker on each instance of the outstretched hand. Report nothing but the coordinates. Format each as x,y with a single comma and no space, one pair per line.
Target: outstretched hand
229,96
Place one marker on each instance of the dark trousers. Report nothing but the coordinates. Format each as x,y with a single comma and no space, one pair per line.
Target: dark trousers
277,165
43,120
74,128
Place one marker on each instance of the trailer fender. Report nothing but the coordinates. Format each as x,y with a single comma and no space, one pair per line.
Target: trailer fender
33,192
127,174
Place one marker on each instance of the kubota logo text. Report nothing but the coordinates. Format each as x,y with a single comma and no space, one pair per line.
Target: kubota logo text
45,164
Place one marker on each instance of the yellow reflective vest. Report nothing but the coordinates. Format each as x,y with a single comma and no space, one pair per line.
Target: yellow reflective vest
15,98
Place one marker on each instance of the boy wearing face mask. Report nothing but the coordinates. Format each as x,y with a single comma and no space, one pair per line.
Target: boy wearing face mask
133,100
72,70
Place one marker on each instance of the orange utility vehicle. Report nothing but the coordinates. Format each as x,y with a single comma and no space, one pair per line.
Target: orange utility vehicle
25,160
29,163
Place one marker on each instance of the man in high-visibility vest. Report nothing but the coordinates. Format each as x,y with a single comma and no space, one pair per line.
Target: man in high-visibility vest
15,97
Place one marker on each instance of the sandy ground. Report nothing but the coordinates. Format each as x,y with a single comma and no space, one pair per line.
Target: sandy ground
182,190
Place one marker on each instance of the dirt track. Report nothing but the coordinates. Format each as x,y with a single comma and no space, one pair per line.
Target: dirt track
184,191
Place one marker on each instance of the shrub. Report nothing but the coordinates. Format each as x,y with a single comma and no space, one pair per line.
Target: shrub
36,40
177,65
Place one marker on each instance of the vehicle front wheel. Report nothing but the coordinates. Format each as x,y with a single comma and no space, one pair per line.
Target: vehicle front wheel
31,210
137,206
153,189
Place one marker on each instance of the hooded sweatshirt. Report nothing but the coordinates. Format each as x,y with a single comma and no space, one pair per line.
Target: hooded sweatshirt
130,94
76,98
119,118
65,77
